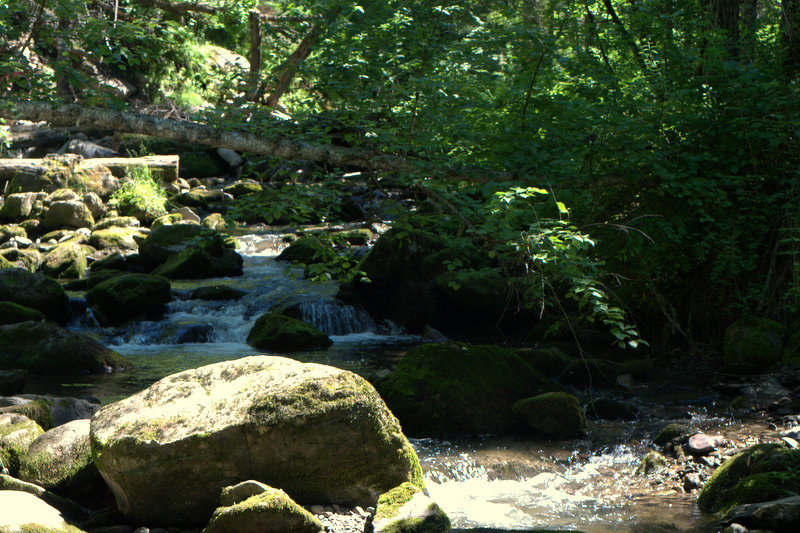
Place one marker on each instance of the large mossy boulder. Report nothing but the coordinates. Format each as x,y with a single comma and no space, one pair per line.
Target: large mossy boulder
280,333
398,255
45,348
128,297
308,249
761,473
555,415
271,511
446,389
320,434
753,344
196,263
36,291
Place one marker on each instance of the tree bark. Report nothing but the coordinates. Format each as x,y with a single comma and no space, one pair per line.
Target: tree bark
194,133
299,55
790,37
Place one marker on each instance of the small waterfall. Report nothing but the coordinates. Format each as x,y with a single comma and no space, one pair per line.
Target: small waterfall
335,318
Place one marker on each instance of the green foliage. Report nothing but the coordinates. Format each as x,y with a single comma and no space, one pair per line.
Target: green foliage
140,194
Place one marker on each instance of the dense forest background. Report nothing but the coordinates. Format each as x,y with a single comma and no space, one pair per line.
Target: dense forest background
636,159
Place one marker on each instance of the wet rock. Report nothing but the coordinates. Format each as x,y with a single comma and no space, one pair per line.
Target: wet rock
217,292
196,333
781,515
280,333
35,291
702,444
12,381
406,508
760,473
753,344
45,348
442,389
556,415
272,510
320,433
197,263
129,296
652,462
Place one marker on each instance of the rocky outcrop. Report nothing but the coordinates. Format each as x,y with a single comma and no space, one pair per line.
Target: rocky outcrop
35,291
318,433
127,297
44,348
451,388
280,333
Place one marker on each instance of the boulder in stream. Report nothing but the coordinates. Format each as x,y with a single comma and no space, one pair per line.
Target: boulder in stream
129,296
555,415
271,510
45,348
450,388
174,245
280,333
320,434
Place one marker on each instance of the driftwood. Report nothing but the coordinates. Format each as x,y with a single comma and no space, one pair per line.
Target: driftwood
164,167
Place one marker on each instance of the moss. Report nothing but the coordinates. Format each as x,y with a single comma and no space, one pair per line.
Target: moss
281,333
37,410
271,510
451,388
556,414
307,250
753,344
671,432
652,462
738,476
390,502
13,313
128,296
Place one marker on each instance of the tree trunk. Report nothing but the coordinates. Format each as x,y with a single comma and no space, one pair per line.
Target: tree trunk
725,16
790,37
255,52
163,166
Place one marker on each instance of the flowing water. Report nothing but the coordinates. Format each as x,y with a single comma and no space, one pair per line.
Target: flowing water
589,484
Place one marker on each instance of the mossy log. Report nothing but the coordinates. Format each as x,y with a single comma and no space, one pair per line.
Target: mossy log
164,167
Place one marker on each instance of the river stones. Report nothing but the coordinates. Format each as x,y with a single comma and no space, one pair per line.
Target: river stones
318,433
47,349
35,291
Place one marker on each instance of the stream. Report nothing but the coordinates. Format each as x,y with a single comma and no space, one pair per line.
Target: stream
503,483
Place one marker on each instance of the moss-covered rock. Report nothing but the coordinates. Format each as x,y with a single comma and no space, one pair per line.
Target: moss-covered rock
17,432
168,241
240,188
202,198
196,263
217,292
117,238
271,511
44,348
398,255
760,473
652,462
405,509
10,231
215,221
486,290
554,414
308,250
318,433
25,513
674,432
129,296
18,206
456,389
66,260
551,361
280,333
61,460
13,313
779,515
38,410
35,291
28,259
753,344
67,214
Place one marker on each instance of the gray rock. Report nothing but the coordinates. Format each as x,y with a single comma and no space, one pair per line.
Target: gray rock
73,214
67,508
18,206
23,509
776,515
229,156
87,149
319,433
95,204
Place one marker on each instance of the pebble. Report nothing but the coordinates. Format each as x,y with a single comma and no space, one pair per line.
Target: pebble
338,520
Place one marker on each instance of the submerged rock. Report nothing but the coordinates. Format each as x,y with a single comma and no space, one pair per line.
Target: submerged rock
316,432
456,389
45,348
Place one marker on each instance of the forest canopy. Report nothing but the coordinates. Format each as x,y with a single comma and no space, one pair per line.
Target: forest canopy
653,143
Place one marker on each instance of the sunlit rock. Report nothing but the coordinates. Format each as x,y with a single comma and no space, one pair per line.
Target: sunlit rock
271,510
316,432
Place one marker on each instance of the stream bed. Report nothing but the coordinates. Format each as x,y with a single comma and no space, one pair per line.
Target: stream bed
505,483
